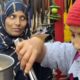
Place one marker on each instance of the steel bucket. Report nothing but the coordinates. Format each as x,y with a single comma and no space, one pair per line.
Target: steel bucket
6,67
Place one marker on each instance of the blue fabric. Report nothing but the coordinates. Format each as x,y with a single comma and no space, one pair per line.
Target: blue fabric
6,41
13,6
7,47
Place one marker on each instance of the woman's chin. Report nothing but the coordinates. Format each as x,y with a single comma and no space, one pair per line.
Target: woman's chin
15,35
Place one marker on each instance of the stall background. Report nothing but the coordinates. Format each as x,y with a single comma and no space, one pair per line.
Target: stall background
39,12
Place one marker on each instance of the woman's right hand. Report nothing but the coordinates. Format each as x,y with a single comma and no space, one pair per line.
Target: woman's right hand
29,51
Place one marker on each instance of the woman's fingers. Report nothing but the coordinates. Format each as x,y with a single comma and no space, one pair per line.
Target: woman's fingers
27,54
31,61
22,52
26,57
19,46
22,48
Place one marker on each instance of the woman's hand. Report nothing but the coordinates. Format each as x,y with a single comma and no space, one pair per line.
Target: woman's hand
29,51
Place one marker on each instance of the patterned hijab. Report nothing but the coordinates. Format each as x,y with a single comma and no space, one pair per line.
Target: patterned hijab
9,8
6,41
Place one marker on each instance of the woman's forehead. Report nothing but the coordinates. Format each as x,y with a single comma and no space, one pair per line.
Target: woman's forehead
19,13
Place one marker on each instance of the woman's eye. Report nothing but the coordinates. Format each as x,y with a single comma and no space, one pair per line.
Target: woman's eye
23,18
12,16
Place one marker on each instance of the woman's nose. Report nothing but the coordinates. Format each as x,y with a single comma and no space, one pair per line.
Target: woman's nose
17,21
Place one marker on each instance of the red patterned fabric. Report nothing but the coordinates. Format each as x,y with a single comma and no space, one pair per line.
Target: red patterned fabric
59,75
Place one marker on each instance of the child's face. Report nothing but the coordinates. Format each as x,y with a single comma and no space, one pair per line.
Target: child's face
75,37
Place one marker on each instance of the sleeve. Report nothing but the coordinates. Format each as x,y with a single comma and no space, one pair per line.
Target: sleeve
3,46
3,49
58,55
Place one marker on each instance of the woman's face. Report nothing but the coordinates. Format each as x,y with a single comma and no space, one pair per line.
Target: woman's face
15,23
76,37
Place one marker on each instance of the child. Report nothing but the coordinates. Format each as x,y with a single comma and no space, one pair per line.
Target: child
60,57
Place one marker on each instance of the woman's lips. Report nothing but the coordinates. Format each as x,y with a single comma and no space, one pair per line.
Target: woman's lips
17,29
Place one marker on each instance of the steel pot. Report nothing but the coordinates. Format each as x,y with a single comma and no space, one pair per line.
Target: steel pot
6,67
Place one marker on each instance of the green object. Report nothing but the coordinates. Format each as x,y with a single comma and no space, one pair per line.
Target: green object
54,10
55,17
54,6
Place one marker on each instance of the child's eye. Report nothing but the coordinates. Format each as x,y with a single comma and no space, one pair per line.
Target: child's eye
73,35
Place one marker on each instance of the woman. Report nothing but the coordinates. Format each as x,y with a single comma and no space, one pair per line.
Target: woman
14,24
